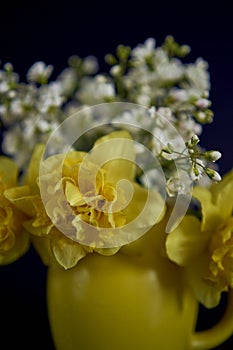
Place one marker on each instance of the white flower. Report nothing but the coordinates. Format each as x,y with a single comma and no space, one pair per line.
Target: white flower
50,96
166,113
144,98
138,117
142,51
175,185
11,94
174,93
90,65
14,141
4,87
198,75
16,107
115,70
170,71
96,90
187,127
179,95
153,178
3,110
203,103
197,170
43,125
68,81
39,72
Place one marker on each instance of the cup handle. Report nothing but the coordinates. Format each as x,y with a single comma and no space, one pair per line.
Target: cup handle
219,333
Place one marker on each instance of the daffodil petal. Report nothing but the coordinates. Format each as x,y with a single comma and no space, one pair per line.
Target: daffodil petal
34,168
43,247
223,195
186,241
206,292
155,207
20,197
20,247
67,252
73,157
107,251
8,171
211,215
115,153
73,195
37,231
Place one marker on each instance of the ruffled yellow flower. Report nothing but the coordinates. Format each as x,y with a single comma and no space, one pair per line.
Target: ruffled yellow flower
85,202
14,241
205,248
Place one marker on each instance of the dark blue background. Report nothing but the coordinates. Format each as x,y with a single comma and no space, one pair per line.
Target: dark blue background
52,31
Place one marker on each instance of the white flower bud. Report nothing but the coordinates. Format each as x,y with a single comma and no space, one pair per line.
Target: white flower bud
197,171
193,141
11,94
203,103
90,65
8,67
213,175
201,117
115,70
213,156
179,95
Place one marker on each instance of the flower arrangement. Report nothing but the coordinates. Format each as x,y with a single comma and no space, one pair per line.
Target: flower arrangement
136,165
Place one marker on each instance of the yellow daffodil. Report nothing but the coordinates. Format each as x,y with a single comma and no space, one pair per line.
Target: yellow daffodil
205,247
78,202
14,241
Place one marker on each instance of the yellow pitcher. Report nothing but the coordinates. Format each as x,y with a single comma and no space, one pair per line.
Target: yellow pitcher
136,299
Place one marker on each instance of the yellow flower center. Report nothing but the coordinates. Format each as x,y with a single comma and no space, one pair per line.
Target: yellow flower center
93,199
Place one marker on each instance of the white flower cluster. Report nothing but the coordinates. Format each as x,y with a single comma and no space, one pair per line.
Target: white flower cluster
150,76
30,111
156,77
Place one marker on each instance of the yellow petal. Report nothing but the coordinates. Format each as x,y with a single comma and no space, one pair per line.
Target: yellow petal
115,153
71,159
7,239
20,197
186,241
211,215
145,209
21,246
43,248
223,195
67,252
206,292
38,230
8,171
107,251
34,168
73,195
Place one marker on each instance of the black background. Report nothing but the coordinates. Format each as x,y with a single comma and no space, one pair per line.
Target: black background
52,32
